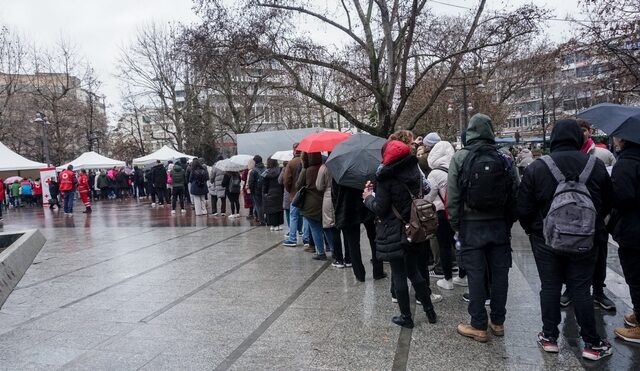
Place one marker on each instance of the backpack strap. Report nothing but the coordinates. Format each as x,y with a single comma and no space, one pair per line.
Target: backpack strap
555,171
588,169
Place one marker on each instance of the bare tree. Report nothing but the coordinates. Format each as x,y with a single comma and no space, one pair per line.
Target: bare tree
386,41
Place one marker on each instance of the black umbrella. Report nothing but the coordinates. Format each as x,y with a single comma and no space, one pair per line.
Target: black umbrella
615,120
356,160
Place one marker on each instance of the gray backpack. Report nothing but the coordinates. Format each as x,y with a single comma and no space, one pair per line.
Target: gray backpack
570,224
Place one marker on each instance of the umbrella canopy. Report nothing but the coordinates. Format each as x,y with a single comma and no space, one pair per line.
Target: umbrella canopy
356,160
92,160
12,179
163,154
228,165
322,142
615,120
10,161
283,155
242,160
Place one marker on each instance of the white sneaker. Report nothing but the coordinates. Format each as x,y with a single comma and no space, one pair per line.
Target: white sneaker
435,298
173,212
272,228
460,281
183,211
445,284
153,204
222,214
279,228
215,214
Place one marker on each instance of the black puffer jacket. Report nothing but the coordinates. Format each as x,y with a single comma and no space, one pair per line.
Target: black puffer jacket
347,203
626,196
538,184
391,240
159,176
272,191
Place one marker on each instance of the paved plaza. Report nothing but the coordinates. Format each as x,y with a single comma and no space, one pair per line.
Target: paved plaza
131,287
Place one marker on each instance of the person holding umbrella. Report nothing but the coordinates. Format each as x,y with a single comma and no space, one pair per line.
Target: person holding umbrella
624,226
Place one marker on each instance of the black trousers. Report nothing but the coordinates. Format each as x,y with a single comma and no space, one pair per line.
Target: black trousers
337,247
446,243
420,253
161,193
214,204
601,243
486,249
178,194
352,243
577,272
376,263
630,261
407,268
234,200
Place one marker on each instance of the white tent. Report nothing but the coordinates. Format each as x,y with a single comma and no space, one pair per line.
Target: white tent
92,160
11,161
163,154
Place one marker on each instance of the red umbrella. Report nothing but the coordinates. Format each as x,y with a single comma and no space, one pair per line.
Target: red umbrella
323,141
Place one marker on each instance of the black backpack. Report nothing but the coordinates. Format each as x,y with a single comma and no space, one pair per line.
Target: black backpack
234,184
486,178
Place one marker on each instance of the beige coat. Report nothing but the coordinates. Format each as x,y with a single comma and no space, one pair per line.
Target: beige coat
323,183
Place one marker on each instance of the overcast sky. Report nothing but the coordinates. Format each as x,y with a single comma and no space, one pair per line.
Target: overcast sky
100,28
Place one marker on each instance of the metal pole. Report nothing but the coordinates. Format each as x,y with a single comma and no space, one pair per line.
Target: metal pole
45,141
544,124
464,106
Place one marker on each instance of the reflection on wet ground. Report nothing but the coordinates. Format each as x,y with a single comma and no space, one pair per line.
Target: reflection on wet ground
133,287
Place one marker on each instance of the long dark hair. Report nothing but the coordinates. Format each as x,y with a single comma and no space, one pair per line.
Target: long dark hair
195,164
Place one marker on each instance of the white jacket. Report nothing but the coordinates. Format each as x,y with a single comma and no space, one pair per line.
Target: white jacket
603,154
439,157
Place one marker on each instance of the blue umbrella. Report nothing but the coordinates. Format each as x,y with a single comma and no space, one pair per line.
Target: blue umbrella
615,120
356,160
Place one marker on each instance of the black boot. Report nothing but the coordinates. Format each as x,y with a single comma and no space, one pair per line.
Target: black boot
404,319
424,295
87,211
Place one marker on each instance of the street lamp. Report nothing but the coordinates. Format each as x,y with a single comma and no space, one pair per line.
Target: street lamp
42,119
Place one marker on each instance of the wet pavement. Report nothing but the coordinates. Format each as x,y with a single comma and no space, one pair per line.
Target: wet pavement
131,287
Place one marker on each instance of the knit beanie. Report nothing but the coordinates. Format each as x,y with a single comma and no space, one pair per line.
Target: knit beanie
431,139
395,150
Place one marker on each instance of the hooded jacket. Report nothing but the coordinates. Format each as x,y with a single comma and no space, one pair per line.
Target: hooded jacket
625,178
198,180
392,182
290,172
312,208
525,158
216,176
178,176
439,159
272,191
159,176
323,183
538,184
479,131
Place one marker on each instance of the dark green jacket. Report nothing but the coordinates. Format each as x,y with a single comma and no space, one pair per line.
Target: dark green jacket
479,131
177,176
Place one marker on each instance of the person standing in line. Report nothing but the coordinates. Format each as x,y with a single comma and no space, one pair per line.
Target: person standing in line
138,182
439,159
290,177
217,190
199,190
2,197
68,184
538,193
177,175
233,186
246,193
159,176
398,180
312,205
83,189
272,195
92,184
624,227
481,190
323,183
286,198
255,188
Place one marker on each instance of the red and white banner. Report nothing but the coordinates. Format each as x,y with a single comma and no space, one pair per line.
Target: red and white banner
47,175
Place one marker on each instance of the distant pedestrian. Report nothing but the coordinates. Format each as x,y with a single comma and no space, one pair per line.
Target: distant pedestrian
68,185
54,192
159,180
272,195
217,190
178,192
255,187
83,189
198,181
232,184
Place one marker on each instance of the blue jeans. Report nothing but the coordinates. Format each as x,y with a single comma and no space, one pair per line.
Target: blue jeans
315,226
68,201
294,216
305,230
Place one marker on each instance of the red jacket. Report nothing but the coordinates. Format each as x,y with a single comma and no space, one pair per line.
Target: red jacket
37,189
68,181
1,189
83,183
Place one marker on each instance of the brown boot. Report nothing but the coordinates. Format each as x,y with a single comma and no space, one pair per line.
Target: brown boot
496,330
631,334
630,320
472,332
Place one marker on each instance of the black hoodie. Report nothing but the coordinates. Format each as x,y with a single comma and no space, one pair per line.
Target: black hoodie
626,196
538,184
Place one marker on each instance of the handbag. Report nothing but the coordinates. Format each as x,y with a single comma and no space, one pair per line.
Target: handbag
298,199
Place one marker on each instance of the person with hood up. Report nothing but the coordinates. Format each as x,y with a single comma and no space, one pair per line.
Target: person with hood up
217,190
272,194
536,194
312,207
178,176
481,189
255,187
439,159
398,181
624,227
159,180
199,190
